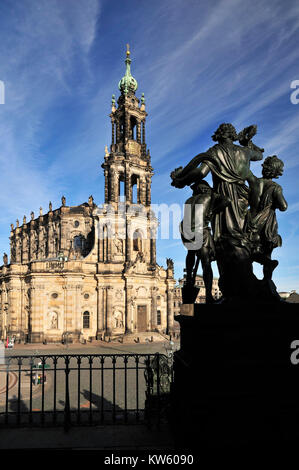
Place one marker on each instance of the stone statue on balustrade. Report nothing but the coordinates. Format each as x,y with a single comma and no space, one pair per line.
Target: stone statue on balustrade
198,211
261,223
235,226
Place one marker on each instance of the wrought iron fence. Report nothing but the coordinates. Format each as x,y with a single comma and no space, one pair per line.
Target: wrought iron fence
83,389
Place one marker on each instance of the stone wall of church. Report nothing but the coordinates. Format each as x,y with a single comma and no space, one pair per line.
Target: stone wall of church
66,231
55,298
68,275
107,286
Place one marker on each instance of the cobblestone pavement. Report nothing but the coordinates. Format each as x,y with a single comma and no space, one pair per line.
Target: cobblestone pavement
27,378
94,386
12,380
96,347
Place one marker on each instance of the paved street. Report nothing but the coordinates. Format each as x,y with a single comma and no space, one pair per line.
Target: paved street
101,386
96,347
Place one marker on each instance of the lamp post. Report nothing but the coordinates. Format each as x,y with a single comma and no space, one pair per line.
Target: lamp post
5,312
170,349
66,335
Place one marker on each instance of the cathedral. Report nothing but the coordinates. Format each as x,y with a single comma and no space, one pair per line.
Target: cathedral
89,271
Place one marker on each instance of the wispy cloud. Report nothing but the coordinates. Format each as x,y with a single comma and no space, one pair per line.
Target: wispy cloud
293,208
39,45
229,60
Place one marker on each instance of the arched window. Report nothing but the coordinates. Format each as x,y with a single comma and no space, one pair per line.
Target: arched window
133,126
86,320
79,243
135,189
121,190
137,241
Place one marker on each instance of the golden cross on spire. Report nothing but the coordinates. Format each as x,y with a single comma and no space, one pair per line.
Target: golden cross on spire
128,49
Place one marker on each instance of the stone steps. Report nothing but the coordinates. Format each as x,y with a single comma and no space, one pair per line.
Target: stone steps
142,337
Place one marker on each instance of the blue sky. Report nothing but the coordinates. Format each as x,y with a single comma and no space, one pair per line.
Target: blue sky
199,64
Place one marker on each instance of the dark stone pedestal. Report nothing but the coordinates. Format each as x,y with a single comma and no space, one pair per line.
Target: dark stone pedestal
235,387
189,293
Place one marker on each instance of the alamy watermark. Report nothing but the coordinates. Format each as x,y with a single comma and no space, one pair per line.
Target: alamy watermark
294,358
163,221
295,94
2,92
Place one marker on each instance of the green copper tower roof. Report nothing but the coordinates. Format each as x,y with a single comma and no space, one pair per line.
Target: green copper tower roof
128,83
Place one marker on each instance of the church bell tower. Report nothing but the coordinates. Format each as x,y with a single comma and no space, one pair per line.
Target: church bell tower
127,167
91,270
128,171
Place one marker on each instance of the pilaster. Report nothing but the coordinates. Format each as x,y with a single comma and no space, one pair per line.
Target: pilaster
109,290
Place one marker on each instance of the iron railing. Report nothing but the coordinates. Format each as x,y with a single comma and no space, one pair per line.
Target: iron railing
78,389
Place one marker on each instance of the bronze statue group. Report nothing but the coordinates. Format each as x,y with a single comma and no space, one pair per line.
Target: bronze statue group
239,223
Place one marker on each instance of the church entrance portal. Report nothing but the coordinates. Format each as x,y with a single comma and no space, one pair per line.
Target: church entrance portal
141,318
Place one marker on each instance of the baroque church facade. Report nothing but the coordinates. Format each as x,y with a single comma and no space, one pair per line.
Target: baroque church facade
89,271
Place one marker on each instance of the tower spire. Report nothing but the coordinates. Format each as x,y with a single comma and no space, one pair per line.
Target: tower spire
127,166
128,82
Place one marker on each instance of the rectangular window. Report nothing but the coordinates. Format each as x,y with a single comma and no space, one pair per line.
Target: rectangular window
158,317
86,320
122,194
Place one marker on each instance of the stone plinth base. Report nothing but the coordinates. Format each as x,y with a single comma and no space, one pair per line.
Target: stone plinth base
36,337
234,384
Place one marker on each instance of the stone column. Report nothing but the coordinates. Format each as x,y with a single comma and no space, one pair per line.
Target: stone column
71,304
2,311
116,186
128,240
153,250
37,303
111,184
138,132
117,132
31,313
128,191
78,314
106,184
25,246
100,243
32,245
138,186
148,190
112,136
12,245
4,307
64,313
50,240
109,290
70,308
14,306
18,245
100,310
143,132
142,191
104,297
103,243
154,308
170,318
22,317
129,306
109,247
127,129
